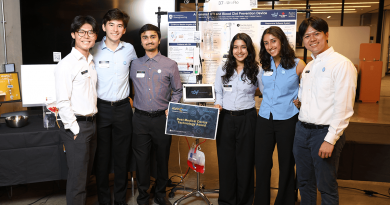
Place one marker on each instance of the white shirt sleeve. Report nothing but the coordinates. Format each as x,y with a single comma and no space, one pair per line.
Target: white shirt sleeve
218,87
345,80
63,82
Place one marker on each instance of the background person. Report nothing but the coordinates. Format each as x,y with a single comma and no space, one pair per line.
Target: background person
114,125
235,86
75,81
327,93
279,77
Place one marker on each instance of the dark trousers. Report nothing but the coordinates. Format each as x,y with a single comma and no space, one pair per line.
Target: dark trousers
235,149
268,133
314,172
114,129
80,154
148,132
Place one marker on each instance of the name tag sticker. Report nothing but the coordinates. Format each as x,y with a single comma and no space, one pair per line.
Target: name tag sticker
104,64
268,73
84,72
308,71
228,88
140,74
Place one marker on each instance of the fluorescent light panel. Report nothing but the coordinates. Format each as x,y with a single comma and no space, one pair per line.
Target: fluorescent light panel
319,4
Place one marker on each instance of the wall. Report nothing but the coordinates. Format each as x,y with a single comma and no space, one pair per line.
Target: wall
385,41
14,45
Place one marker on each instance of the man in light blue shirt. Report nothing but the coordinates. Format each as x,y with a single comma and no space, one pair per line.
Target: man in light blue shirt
114,120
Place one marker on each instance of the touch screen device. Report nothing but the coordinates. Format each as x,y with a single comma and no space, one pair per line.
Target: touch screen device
198,93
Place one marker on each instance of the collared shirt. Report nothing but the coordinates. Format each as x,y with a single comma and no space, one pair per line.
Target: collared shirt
279,87
75,80
236,94
113,70
327,92
153,80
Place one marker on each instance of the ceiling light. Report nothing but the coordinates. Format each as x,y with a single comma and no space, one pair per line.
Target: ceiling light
328,12
328,17
349,3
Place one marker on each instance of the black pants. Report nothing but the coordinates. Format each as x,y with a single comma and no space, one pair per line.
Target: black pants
235,148
269,132
80,154
148,132
114,129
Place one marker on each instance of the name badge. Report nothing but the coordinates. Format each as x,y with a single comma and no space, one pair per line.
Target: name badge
308,71
140,74
104,64
268,73
228,88
84,72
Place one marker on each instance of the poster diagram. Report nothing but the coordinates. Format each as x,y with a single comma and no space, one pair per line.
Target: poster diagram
217,30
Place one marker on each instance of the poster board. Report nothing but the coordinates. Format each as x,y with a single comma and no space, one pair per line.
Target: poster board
38,83
346,40
217,29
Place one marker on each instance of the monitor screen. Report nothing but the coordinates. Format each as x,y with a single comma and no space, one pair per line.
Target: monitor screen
198,93
9,88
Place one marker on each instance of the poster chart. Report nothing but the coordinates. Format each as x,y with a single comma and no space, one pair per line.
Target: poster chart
217,29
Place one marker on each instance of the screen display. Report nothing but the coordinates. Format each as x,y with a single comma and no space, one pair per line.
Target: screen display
199,92
9,88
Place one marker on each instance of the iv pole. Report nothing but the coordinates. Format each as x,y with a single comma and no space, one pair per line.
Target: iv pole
198,191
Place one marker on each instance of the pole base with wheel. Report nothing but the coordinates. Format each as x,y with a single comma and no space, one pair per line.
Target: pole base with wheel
197,192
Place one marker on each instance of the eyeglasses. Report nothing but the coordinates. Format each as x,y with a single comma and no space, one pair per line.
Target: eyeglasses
82,33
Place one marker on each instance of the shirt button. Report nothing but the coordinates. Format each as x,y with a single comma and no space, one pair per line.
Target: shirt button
150,99
149,88
149,78
149,68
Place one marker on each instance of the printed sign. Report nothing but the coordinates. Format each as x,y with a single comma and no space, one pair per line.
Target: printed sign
192,121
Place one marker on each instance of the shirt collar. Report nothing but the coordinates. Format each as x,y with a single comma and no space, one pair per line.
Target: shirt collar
324,54
155,58
104,46
80,56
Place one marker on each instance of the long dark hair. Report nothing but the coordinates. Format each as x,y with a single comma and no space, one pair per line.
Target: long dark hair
287,54
251,66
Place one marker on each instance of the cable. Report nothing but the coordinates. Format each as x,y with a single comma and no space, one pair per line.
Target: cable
44,197
368,192
198,145
181,181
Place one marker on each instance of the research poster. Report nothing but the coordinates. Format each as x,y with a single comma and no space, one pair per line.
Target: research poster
192,121
217,29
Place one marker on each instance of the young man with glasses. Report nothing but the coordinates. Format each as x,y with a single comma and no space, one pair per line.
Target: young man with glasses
114,126
75,80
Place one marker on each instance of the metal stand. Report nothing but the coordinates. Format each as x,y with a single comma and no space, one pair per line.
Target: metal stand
159,14
197,192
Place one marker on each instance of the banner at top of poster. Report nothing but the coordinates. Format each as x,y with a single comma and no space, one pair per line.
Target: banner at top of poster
251,15
255,15
186,16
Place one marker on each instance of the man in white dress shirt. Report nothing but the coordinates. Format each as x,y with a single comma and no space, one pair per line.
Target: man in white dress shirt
75,80
327,92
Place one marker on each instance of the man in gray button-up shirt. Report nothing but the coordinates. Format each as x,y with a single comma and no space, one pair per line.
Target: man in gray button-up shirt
156,82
